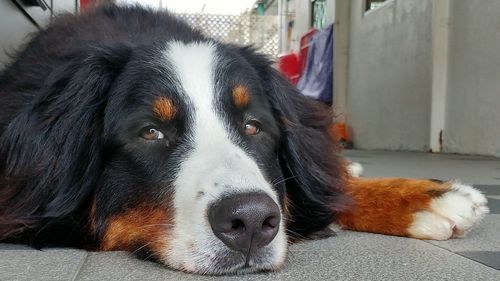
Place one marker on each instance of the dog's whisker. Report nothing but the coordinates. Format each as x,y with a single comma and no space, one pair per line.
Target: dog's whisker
159,224
143,246
276,179
283,180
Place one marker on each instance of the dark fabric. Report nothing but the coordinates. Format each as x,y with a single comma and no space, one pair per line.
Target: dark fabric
317,80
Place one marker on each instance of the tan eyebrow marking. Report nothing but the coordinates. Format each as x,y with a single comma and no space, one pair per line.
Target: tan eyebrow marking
164,108
241,96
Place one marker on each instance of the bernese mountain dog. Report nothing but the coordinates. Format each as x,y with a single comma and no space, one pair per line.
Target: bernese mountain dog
122,128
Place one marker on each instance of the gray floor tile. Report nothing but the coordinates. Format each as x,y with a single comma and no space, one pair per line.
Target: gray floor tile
494,197
122,266
349,256
360,256
469,169
489,190
45,265
494,205
491,259
486,237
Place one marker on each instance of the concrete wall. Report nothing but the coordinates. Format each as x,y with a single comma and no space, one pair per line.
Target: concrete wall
63,6
302,22
473,98
15,26
341,57
330,11
13,29
390,75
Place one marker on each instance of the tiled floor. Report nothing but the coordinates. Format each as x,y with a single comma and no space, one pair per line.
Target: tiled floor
348,256
483,172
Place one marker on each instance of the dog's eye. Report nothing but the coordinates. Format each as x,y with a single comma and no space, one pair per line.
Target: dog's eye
252,127
152,134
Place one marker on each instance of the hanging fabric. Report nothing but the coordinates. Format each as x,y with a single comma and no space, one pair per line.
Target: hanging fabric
317,80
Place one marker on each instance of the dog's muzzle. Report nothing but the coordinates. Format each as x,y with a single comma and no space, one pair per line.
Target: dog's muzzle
245,222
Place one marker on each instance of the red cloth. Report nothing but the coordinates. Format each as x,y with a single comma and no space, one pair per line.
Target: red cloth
292,65
84,4
289,66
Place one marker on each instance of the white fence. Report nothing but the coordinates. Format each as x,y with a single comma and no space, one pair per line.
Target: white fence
244,29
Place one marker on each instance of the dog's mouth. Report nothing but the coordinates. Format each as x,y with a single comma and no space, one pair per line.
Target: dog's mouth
228,262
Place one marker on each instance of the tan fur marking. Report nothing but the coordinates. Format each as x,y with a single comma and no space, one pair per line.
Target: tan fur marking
92,217
143,225
241,96
164,108
388,206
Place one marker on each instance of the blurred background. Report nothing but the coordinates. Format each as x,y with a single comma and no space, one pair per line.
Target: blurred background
401,74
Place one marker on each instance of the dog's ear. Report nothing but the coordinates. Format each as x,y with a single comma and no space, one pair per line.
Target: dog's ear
52,149
309,155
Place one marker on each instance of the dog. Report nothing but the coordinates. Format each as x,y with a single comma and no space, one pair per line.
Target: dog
123,128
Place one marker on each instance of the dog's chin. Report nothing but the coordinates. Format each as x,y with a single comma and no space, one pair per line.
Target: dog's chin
230,268
235,269
228,262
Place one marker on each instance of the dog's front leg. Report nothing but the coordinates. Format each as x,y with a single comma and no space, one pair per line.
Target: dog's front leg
424,209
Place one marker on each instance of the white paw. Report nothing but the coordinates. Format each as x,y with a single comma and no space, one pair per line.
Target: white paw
355,169
450,215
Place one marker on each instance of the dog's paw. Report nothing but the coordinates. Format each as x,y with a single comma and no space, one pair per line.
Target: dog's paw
355,169
451,215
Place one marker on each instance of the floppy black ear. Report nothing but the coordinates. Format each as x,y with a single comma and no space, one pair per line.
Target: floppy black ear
52,148
309,155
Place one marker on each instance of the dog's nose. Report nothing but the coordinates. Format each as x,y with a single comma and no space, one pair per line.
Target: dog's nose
245,222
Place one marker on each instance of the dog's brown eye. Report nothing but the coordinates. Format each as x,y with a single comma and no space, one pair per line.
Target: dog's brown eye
252,127
152,134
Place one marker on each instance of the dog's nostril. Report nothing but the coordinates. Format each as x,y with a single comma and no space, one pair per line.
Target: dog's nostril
245,222
237,225
271,223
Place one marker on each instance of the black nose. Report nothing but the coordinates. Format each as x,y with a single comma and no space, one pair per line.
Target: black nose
245,222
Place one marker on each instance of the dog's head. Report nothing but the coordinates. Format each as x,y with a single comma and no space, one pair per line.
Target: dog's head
195,153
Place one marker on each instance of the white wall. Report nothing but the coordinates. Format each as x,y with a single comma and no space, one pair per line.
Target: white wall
61,6
410,56
330,10
473,98
302,22
14,27
341,10
389,75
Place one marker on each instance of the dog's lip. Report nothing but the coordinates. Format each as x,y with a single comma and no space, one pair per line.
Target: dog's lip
239,269
231,266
